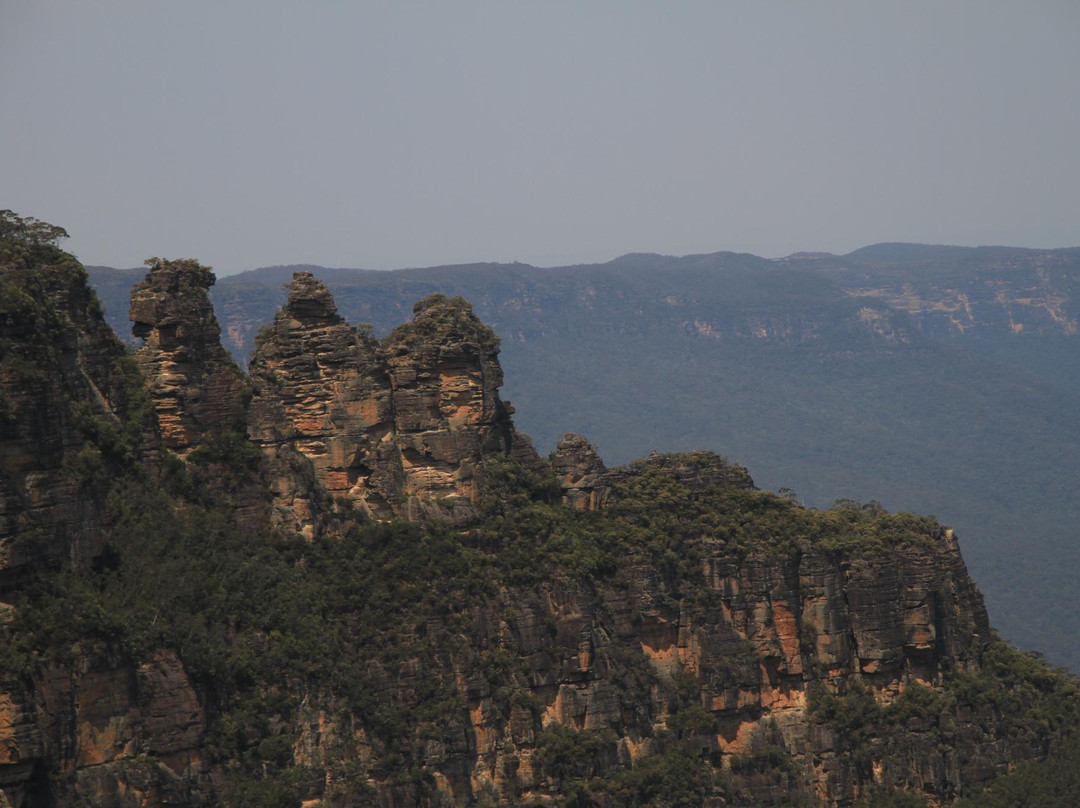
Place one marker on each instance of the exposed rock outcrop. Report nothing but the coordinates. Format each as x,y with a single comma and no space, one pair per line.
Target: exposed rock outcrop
196,388
396,429
99,729
587,484
644,637
322,397
767,637
103,732
448,416
580,472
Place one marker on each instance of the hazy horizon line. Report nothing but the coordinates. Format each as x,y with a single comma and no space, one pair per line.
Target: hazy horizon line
677,256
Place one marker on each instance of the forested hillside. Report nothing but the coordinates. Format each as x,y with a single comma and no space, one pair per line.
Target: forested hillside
933,378
346,578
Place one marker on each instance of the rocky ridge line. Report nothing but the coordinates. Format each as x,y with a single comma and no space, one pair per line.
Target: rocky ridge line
768,631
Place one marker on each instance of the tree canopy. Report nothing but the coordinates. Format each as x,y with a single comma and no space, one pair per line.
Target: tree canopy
28,230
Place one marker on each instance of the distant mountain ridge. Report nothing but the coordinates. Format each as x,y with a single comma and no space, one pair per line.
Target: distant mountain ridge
928,377
1034,275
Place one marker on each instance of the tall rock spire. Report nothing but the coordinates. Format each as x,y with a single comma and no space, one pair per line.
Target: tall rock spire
322,396
445,373
196,387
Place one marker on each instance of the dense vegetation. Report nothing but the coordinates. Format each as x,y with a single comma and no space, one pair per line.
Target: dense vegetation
827,393
384,622
27,233
256,622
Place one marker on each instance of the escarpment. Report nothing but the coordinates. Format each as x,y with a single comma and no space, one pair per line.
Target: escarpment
89,725
417,610
68,405
723,650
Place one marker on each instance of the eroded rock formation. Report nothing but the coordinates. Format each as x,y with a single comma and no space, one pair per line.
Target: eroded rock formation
723,655
587,484
448,416
396,429
196,388
98,729
580,472
766,636
322,397
102,732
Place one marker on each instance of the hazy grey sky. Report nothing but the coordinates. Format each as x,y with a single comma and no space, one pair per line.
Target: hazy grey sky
389,134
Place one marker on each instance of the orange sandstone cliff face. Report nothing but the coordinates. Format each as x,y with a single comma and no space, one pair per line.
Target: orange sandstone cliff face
395,429
102,731
765,635
346,426
195,386
322,409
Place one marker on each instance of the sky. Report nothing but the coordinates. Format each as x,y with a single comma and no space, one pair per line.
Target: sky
248,133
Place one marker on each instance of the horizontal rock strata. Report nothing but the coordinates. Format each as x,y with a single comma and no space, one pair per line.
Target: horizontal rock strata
196,388
398,428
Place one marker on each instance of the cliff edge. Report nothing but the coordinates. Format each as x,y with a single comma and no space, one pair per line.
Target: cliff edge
360,585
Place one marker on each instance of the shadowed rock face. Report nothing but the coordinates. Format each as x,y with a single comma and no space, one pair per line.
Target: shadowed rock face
99,729
60,380
104,732
196,388
397,429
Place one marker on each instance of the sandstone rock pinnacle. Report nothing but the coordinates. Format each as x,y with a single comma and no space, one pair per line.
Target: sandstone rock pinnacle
322,397
310,301
196,388
400,428
445,374
580,471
